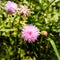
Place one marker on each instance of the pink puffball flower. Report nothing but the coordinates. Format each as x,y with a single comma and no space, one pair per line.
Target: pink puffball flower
24,11
11,7
30,33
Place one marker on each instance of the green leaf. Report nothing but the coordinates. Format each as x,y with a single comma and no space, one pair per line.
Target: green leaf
54,47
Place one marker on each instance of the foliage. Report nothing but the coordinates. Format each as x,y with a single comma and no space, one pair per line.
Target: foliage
45,14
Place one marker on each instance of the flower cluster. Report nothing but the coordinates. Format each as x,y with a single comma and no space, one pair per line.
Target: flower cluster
11,7
29,32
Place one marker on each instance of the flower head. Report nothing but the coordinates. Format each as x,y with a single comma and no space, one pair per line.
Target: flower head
24,11
11,7
30,33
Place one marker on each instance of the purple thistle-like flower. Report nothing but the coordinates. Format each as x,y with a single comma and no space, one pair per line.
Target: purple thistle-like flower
24,11
30,33
11,7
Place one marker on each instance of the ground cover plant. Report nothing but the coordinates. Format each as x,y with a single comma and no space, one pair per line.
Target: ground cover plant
29,29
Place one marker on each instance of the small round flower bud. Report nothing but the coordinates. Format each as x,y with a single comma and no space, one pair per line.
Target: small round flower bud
45,33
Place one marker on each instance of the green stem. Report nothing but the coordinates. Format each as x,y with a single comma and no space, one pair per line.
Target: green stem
49,5
54,47
7,29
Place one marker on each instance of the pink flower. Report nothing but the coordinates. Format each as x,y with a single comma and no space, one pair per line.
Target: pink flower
30,33
23,10
11,7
